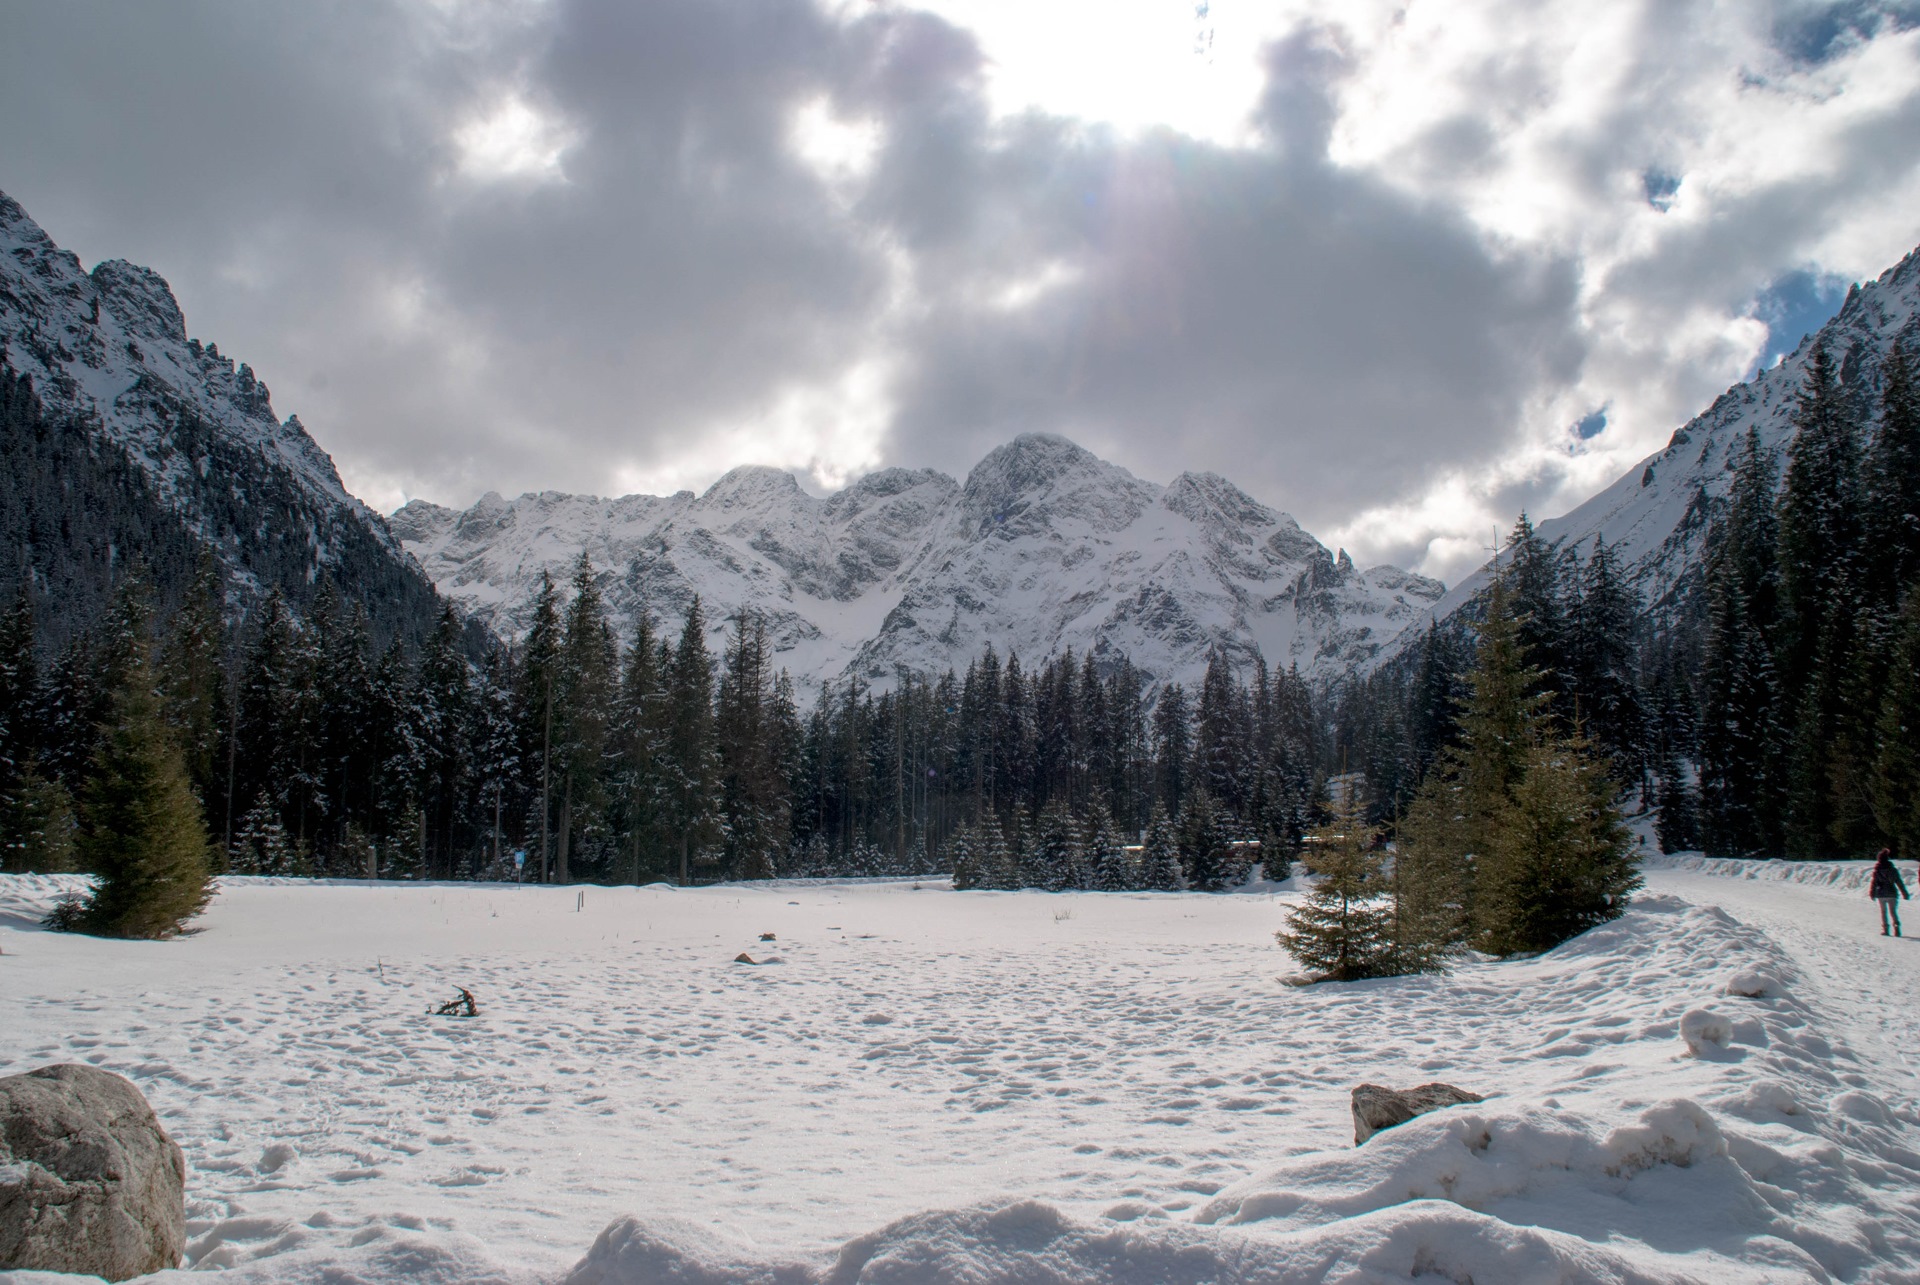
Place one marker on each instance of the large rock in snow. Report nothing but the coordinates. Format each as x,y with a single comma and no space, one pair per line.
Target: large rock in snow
89,1182
1376,1107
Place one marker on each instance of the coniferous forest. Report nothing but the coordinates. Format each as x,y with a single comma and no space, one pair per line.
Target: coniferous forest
1768,708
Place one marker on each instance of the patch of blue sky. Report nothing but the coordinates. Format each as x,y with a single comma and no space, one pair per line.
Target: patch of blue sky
1811,34
1793,307
1661,188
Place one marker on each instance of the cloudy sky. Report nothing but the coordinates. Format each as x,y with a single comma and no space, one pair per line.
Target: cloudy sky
1401,267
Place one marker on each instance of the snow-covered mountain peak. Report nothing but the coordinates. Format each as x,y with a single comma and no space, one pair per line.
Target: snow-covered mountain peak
752,486
1045,547
1038,481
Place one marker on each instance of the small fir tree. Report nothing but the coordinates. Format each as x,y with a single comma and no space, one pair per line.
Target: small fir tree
36,825
1105,858
1343,931
1057,857
141,831
1432,879
962,852
1558,859
1160,868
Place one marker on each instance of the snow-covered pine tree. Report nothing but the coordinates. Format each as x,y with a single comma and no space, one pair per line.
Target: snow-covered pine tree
1106,860
1342,931
963,854
691,763
443,723
1057,853
1892,484
1172,746
1205,831
262,846
1603,655
1160,866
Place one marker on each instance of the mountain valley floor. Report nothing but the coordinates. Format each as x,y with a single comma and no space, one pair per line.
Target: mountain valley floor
914,1084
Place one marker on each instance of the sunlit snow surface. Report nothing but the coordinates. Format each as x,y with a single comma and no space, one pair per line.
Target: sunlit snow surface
939,1086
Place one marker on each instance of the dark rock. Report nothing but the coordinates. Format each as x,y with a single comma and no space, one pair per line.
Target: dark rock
744,958
1376,1107
89,1182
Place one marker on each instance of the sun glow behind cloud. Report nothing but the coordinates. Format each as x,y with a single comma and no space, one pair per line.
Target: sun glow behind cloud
509,140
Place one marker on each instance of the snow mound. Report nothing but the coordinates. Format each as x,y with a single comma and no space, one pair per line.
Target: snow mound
1831,876
1036,1243
1705,1032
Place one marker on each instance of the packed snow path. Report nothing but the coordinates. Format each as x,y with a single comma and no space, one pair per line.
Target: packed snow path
1866,984
1124,1074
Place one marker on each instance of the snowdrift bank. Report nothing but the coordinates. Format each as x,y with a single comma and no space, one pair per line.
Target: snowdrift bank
1778,1166
1831,876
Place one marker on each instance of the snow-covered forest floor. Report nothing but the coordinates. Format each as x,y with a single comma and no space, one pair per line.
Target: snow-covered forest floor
922,1085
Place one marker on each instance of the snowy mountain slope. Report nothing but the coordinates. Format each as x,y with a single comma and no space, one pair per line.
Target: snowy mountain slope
1657,514
108,351
1044,547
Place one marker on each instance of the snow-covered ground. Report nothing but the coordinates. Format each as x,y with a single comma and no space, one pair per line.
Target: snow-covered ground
920,1085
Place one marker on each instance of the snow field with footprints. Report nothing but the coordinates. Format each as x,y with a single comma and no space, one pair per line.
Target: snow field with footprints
1009,1085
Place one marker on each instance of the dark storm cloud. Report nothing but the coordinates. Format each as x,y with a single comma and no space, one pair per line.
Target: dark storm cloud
1317,335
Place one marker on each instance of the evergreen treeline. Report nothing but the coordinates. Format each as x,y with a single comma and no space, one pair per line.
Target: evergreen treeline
629,755
1810,682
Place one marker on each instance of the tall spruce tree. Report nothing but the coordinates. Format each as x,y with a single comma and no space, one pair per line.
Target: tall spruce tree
691,762
1896,768
1819,553
755,811
1602,653
1740,704
585,684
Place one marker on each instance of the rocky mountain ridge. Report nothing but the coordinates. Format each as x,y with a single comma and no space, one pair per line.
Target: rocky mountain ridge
1657,514
1043,547
108,358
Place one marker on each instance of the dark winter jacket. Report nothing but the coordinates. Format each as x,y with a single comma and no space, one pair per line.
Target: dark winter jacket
1886,881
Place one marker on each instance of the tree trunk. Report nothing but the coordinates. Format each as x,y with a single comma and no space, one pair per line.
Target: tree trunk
566,833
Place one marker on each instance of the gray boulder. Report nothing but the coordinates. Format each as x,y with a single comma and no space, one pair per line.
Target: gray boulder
1376,1107
89,1182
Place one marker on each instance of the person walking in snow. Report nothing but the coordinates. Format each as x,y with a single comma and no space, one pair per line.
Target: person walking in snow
1886,883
